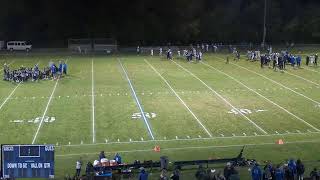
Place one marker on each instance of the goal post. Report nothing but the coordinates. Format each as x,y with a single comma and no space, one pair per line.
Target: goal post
80,45
107,45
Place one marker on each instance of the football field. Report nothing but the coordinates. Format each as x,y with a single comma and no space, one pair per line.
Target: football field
130,103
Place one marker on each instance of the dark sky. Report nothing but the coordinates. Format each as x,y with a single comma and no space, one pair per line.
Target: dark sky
52,22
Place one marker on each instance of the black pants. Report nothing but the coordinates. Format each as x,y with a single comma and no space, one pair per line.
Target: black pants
78,172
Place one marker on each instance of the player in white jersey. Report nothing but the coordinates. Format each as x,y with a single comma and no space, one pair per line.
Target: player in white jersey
160,52
151,52
178,53
138,50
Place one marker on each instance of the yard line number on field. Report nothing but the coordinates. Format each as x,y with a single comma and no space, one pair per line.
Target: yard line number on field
221,97
45,111
274,82
137,100
300,119
204,128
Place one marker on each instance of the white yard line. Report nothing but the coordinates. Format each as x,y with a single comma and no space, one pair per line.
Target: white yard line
302,78
190,139
300,119
221,97
308,69
5,101
275,82
92,104
45,112
137,101
182,102
192,147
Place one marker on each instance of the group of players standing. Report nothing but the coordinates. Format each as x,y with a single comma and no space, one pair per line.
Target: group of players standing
279,60
189,53
23,74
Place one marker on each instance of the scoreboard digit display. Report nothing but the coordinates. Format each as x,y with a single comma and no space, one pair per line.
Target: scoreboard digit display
27,161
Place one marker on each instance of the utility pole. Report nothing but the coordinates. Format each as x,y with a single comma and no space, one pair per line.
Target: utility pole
264,23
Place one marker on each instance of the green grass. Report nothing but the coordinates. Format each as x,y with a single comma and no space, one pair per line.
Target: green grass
290,106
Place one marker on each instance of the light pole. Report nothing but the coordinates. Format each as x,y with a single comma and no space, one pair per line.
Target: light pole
264,23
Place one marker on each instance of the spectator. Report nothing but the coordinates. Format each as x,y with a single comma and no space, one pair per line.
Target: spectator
300,169
314,174
293,166
256,173
266,173
227,171
89,170
101,155
220,176
288,173
163,175
176,174
279,175
118,158
78,168
143,175
201,173
234,174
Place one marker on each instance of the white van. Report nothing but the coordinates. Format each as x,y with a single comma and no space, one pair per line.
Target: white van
18,45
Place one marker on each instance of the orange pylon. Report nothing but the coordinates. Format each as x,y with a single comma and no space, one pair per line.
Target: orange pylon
156,149
280,141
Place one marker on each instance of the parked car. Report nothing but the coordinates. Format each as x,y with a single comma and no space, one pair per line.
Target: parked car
18,46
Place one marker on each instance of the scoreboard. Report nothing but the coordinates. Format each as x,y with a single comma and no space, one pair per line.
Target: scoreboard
27,161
